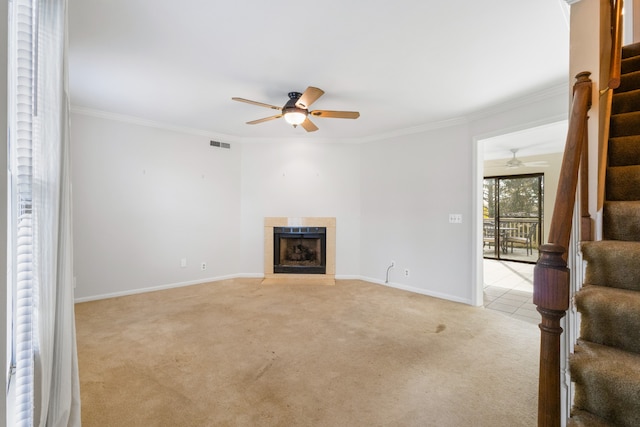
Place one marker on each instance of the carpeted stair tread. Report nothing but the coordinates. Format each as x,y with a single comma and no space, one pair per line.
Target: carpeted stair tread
624,151
623,183
585,419
628,82
621,220
630,50
629,65
626,101
610,316
608,382
625,124
612,263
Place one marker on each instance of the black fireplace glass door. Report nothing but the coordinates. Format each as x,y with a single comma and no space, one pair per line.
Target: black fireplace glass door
299,250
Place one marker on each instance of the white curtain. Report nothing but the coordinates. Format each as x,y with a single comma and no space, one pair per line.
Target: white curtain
53,397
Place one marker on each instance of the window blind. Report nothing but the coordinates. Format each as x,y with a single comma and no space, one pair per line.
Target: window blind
21,71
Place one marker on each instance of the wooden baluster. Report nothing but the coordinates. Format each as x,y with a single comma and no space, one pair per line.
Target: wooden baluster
586,223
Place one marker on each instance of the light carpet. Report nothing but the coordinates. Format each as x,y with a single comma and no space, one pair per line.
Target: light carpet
237,353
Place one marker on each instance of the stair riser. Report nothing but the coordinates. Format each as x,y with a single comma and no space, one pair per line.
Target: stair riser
623,183
629,81
624,151
621,221
585,419
609,320
613,264
625,125
607,382
626,102
630,50
630,65
586,398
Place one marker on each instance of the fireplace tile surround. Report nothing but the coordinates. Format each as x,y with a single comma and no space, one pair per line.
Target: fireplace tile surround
271,278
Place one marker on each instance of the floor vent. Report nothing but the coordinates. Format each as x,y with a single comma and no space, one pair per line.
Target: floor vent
220,144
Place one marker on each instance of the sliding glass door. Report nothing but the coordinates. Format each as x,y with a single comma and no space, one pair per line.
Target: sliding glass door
513,217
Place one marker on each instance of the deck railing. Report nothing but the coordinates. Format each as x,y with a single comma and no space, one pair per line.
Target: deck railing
513,227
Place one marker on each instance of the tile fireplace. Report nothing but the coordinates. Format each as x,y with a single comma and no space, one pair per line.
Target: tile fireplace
299,250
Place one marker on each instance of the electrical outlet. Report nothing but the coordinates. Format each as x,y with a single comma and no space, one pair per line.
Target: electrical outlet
406,272
393,263
455,218
203,266
183,262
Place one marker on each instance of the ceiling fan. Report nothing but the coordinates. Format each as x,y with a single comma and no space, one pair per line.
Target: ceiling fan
517,163
296,110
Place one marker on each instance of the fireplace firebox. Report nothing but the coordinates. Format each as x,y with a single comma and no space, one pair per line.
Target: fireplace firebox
299,250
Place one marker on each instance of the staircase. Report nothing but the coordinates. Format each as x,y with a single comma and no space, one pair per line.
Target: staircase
605,366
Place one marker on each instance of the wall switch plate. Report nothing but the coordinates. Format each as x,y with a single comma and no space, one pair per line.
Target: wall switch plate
455,218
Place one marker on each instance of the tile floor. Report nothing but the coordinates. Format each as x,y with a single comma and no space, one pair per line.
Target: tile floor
508,288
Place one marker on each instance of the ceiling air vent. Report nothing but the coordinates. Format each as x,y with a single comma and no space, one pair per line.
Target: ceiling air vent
220,144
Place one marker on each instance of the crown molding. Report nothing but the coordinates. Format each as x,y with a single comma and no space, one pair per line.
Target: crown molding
551,92
151,123
441,124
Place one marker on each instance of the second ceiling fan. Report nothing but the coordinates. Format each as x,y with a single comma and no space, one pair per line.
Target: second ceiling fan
517,163
296,110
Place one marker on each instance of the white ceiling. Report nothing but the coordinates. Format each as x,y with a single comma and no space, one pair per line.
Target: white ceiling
545,139
402,64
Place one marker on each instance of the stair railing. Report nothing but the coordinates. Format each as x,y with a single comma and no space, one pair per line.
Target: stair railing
551,275
612,80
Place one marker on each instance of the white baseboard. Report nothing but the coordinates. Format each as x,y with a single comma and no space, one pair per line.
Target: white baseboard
259,276
421,291
160,287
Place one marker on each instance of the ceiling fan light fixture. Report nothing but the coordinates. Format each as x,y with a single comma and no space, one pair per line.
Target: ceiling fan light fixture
295,116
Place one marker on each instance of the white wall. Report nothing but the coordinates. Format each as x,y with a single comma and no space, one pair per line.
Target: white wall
144,198
301,179
410,185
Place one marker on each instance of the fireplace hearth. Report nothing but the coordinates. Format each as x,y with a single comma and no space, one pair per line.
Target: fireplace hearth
299,250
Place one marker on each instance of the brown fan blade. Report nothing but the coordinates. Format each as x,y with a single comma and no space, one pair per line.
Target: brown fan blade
335,114
266,119
308,125
260,104
309,96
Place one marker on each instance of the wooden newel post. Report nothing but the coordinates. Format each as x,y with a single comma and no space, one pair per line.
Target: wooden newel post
551,296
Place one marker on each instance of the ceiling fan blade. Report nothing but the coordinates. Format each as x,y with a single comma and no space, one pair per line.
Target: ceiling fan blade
309,96
260,104
266,119
308,125
335,114
537,164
